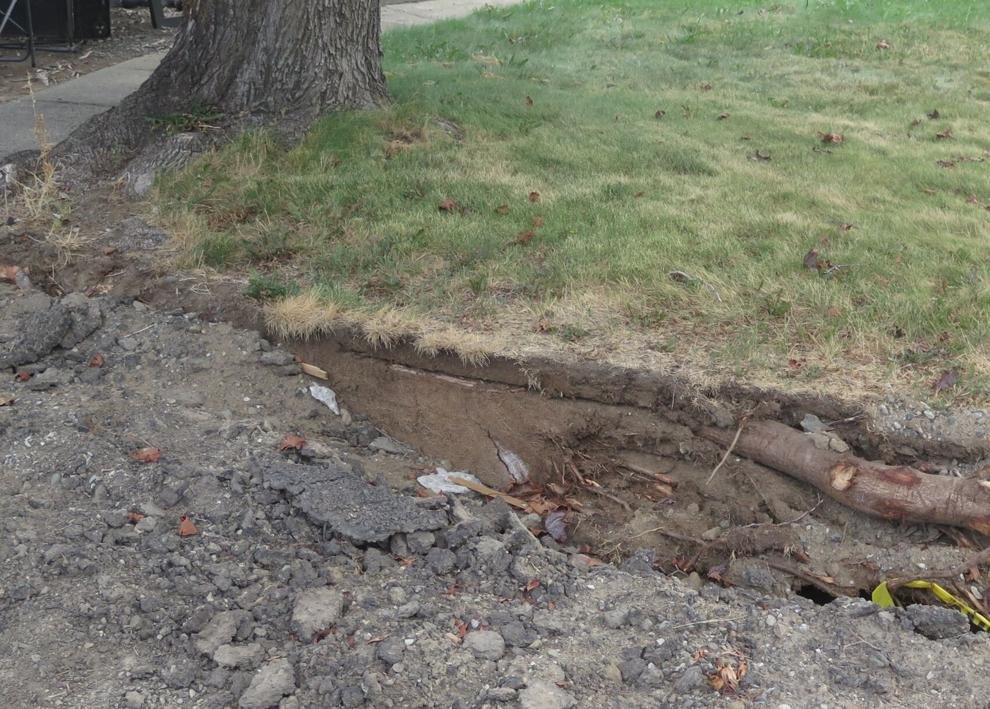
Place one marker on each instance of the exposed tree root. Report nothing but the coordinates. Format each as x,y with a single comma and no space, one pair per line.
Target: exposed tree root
898,493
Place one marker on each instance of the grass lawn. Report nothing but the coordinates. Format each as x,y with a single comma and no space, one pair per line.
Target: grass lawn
642,181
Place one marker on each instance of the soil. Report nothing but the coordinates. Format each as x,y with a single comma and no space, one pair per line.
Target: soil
132,36
323,574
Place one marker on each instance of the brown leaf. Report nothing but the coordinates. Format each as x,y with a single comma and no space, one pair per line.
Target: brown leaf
8,274
705,86
186,527
944,134
502,209
947,164
22,375
448,205
96,361
6,400
134,517
556,525
883,44
723,116
531,585
659,114
146,455
291,443
534,196
525,237
831,138
537,222
946,381
933,114
109,250
529,101
461,627
638,195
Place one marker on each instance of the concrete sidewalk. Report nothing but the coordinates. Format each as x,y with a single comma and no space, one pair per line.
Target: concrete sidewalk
68,104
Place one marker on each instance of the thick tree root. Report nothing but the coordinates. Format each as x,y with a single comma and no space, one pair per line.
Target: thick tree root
898,493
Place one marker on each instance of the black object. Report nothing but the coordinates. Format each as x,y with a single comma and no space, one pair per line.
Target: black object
11,26
63,21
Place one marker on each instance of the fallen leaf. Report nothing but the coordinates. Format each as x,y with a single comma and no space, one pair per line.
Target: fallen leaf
96,361
146,455
291,443
947,164
556,525
946,381
760,157
461,627
944,134
529,101
448,205
502,209
723,116
108,250
883,44
377,639
8,274
186,527
134,517
531,585
525,237
934,115
534,197
537,222
705,86
659,114
6,400
313,371
831,138
638,195
23,376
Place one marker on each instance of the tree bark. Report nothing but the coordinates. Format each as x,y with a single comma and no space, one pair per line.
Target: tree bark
281,62
897,493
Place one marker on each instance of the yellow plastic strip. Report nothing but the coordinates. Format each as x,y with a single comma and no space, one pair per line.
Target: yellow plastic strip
882,597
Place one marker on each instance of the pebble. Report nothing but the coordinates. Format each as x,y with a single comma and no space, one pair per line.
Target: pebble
316,609
269,684
486,644
539,694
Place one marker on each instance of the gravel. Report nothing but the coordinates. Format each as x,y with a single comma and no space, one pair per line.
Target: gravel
324,580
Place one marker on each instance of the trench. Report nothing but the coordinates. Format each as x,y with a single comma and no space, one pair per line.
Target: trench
614,448
616,452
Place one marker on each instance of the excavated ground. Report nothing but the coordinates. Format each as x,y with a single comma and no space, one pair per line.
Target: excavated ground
440,601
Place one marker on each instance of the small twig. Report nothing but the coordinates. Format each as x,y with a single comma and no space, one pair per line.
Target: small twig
974,561
613,498
728,452
138,332
707,622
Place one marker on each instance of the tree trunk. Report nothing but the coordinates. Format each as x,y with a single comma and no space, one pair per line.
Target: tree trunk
897,493
279,62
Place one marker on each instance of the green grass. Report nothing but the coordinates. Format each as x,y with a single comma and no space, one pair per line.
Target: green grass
562,99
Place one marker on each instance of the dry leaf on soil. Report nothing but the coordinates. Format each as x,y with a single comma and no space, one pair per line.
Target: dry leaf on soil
96,361
448,205
8,274
6,400
291,443
529,101
23,376
534,196
831,138
946,381
502,209
146,455
556,525
186,527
